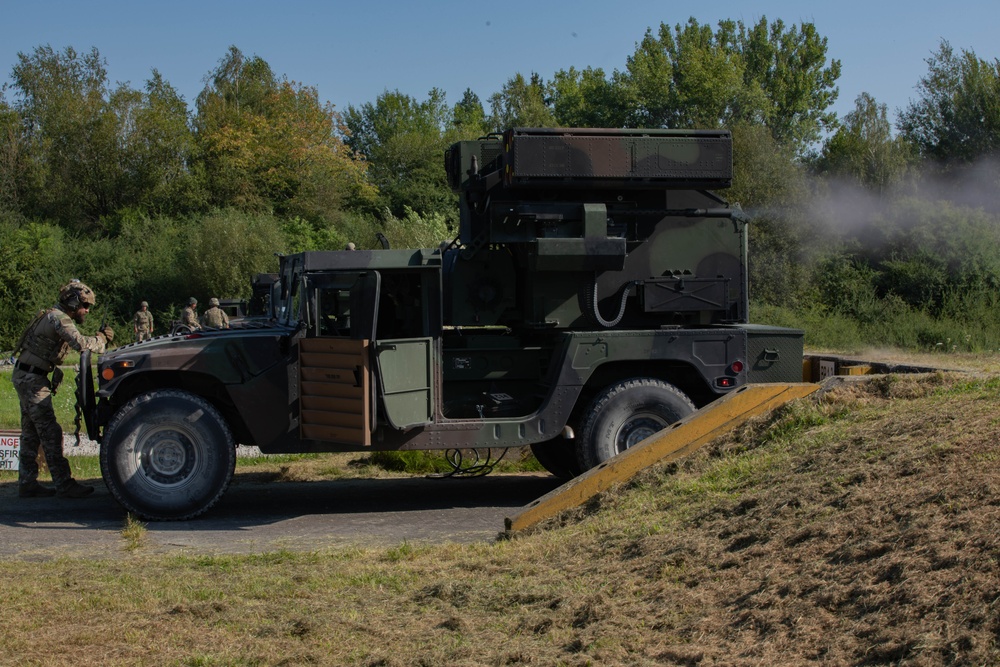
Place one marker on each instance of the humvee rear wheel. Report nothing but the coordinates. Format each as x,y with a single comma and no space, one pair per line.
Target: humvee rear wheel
167,455
558,456
625,414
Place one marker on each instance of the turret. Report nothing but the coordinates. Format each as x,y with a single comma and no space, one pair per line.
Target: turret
604,226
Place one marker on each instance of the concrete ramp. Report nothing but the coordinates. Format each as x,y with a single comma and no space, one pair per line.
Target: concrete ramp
670,444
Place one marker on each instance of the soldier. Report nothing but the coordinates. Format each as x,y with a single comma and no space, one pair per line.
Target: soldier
215,317
142,323
43,345
189,316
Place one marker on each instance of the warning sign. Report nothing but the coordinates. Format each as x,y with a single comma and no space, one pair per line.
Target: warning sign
9,446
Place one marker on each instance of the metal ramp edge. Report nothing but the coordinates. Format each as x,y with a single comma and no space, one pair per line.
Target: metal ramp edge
674,442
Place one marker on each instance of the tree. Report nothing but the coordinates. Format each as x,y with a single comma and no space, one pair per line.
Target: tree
864,149
520,103
226,248
161,150
403,140
957,115
585,98
13,166
229,123
85,151
468,117
32,258
269,144
691,77
65,127
790,67
771,187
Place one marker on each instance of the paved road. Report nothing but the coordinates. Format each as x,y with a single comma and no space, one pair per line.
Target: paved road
257,516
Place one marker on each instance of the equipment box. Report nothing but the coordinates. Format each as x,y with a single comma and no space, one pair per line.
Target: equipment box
774,354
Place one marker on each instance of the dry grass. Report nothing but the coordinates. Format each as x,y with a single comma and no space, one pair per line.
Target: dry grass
859,529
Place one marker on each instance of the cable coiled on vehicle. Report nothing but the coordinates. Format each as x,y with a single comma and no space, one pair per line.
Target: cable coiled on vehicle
595,310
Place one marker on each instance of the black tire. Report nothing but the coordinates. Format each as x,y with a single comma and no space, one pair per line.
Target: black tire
626,413
558,456
168,455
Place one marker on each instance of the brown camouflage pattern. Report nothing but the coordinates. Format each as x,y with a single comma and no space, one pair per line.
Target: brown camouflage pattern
215,318
142,325
45,345
189,318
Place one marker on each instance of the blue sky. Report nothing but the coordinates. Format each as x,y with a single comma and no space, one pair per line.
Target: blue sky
353,51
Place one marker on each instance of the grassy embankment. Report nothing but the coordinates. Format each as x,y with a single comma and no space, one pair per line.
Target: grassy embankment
853,528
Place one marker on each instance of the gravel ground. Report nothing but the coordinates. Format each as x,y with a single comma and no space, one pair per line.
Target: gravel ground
88,446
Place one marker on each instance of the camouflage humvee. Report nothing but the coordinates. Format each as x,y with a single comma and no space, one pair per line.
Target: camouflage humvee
596,294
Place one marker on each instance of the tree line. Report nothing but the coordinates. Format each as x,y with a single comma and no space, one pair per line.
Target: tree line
855,218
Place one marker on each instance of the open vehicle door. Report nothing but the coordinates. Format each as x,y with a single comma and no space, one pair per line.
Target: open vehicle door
348,365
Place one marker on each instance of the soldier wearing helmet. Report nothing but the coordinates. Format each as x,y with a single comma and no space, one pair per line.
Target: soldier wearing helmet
189,316
142,323
42,347
215,317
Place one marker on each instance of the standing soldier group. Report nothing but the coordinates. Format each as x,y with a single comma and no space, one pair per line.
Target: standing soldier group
213,318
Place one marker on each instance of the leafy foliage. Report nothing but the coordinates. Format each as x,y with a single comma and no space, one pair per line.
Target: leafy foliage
690,76
864,149
521,103
84,150
957,116
269,144
226,248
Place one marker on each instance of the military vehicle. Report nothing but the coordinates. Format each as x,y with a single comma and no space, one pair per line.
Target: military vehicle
595,294
250,312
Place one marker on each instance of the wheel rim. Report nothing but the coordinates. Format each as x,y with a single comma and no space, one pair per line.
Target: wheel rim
637,428
166,456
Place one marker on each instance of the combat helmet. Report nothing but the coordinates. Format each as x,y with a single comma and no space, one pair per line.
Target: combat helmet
213,301
192,301
75,294
144,305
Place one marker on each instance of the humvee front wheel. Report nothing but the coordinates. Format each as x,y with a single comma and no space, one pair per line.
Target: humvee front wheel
627,413
167,455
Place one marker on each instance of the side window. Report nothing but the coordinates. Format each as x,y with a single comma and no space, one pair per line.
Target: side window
401,308
344,304
334,312
295,313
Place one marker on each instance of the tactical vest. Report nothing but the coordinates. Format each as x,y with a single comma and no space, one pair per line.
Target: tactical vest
50,348
144,320
214,317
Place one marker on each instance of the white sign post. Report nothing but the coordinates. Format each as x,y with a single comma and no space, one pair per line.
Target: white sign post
10,445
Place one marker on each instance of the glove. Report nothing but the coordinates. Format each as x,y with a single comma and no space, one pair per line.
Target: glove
57,378
108,333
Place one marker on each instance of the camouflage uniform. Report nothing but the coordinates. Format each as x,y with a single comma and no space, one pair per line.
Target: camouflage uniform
215,317
142,323
189,317
43,346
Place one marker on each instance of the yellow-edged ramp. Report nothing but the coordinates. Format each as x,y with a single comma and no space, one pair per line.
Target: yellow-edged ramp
672,443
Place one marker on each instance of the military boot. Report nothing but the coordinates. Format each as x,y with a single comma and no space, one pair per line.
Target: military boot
33,489
73,489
